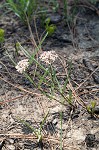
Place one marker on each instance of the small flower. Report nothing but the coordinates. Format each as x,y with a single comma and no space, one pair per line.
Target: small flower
48,57
22,65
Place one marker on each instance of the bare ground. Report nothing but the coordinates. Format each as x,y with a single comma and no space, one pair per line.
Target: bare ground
20,100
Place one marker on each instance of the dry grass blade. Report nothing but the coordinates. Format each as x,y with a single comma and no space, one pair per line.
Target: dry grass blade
87,78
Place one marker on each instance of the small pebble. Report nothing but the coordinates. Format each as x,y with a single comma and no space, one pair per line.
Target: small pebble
11,141
55,18
55,121
96,110
90,140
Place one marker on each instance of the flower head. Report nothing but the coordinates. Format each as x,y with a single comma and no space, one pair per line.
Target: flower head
22,65
48,57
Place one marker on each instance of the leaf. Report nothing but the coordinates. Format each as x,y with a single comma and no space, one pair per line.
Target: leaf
1,35
93,104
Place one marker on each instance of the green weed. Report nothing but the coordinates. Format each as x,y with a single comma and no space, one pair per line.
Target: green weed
2,32
93,1
61,130
69,15
47,71
91,107
50,28
55,5
23,8
2,39
37,132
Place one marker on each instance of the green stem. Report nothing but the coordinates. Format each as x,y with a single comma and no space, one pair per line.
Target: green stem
61,130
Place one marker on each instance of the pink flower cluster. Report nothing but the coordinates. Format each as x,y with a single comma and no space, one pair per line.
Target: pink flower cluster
22,65
48,57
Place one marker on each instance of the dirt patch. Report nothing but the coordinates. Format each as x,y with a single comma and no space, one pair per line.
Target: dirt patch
20,100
